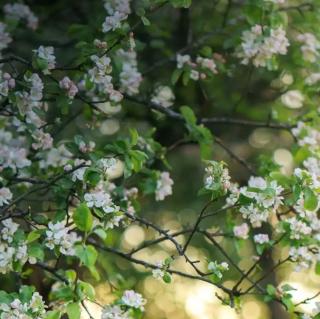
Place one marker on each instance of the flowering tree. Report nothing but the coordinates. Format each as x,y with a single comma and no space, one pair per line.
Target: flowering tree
67,192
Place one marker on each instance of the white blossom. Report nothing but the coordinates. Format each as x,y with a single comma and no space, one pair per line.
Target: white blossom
241,231
69,86
42,140
218,268
5,37
47,55
306,135
207,64
113,22
130,77
182,60
56,156
159,272
292,99
261,238
35,308
277,1
217,177
233,196
313,78
255,215
58,235
310,46
101,199
133,299
194,75
113,6
7,82
11,250
100,44
163,96
19,11
8,230
266,198
298,228
5,196
114,312
164,186
118,11
259,47
78,174
302,256
12,153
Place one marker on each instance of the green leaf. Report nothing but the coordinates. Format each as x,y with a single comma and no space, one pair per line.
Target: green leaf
101,233
199,133
5,297
71,275
64,293
310,199
176,75
40,64
87,255
317,268
288,302
181,3
33,235
36,250
282,179
53,314
137,160
25,293
92,176
287,287
85,290
83,218
167,278
74,310
253,13
94,272
134,136
145,21
188,115
271,290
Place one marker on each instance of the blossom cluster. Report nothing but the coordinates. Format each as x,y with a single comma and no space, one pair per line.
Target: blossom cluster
5,38
264,198
161,272
218,269
130,77
45,58
125,306
198,69
69,86
13,248
164,186
163,96
260,44
13,154
99,198
34,308
5,196
310,46
7,83
118,11
59,235
306,135
217,178
19,11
